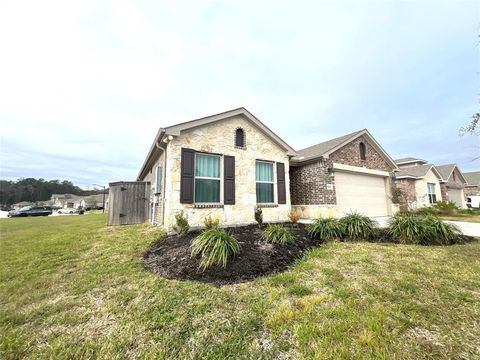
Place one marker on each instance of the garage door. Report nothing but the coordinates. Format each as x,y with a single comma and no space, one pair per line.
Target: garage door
363,193
456,195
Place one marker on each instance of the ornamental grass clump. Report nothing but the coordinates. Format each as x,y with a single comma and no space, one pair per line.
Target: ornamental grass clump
357,226
325,229
277,234
408,228
440,232
215,246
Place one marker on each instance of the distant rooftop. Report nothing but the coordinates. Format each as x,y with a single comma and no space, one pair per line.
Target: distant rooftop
408,160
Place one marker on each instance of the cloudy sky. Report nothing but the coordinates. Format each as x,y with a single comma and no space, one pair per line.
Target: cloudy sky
85,85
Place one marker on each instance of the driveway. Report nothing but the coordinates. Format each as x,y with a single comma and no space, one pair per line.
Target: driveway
467,228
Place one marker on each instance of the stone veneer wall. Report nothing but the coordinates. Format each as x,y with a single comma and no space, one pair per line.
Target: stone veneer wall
308,183
218,138
472,190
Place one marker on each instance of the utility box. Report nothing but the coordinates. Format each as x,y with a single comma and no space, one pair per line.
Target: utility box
128,202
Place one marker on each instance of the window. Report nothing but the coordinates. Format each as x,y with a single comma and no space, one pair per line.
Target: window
264,182
453,176
363,151
432,197
240,138
158,179
207,178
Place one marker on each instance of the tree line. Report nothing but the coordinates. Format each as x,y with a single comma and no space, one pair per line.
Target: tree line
34,190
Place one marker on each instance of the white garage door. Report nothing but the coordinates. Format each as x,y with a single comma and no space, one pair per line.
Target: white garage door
456,195
363,193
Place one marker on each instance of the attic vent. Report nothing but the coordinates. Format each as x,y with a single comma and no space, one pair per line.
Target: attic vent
240,138
363,151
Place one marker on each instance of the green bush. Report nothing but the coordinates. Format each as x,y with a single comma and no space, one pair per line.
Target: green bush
215,246
446,207
181,221
325,229
277,234
440,232
425,230
211,222
259,216
357,226
407,228
426,210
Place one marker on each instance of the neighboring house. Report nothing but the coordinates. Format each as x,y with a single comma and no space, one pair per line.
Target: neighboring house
419,183
473,183
453,183
348,173
76,201
223,165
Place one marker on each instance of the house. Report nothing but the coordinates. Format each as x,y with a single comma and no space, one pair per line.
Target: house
453,183
472,187
77,201
224,165
349,173
419,183
64,200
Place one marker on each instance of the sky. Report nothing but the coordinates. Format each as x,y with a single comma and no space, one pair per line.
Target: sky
85,85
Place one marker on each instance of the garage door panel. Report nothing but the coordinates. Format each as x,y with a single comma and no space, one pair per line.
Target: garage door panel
362,193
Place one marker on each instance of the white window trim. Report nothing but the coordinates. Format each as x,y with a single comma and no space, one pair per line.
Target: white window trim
195,177
431,193
157,169
274,182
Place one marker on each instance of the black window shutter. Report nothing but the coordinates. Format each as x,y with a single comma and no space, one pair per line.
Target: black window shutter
229,180
282,195
186,180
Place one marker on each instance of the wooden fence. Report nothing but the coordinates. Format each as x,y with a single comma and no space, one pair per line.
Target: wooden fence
128,202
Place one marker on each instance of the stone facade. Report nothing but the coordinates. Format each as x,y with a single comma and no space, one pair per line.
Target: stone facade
218,138
312,185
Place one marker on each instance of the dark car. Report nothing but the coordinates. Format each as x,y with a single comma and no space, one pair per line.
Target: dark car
31,211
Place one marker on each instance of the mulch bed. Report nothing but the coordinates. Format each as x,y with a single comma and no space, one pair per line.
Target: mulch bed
171,258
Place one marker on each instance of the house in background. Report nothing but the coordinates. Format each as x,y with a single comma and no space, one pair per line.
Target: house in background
472,187
349,173
77,201
453,183
419,183
224,165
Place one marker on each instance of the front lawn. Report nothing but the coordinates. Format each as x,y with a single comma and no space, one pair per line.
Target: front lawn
461,217
70,287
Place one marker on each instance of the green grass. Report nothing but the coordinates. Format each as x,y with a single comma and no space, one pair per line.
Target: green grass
72,288
461,217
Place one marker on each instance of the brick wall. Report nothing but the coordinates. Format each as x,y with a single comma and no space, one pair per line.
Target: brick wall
408,195
308,183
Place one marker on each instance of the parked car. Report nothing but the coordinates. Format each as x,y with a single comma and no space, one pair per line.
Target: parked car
473,202
6,208
31,211
71,211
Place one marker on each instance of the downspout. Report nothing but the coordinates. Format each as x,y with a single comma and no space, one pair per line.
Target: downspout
164,175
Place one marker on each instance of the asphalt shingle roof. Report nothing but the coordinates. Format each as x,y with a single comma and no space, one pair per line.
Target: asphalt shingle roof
445,170
414,171
473,178
408,159
323,147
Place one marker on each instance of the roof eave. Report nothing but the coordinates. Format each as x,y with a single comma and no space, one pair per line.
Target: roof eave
142,173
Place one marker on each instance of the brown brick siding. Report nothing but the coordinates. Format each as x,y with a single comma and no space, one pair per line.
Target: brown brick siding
452,184
308,183
408,194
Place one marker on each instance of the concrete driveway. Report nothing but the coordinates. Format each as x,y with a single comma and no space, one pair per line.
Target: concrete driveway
467,228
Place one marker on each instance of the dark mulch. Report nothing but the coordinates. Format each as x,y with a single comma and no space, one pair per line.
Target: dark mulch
171,258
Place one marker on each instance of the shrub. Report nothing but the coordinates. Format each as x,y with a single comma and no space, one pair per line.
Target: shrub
325,229
293,215
277,234
407,228
357,226
440,232
425,230
259,216
426,210
446,207
181,221
215,246
211,222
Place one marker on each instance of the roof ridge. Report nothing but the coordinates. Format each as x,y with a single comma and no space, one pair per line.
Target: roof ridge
332,139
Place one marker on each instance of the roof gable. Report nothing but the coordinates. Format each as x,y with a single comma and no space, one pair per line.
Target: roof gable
175,130
447,170
326,148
